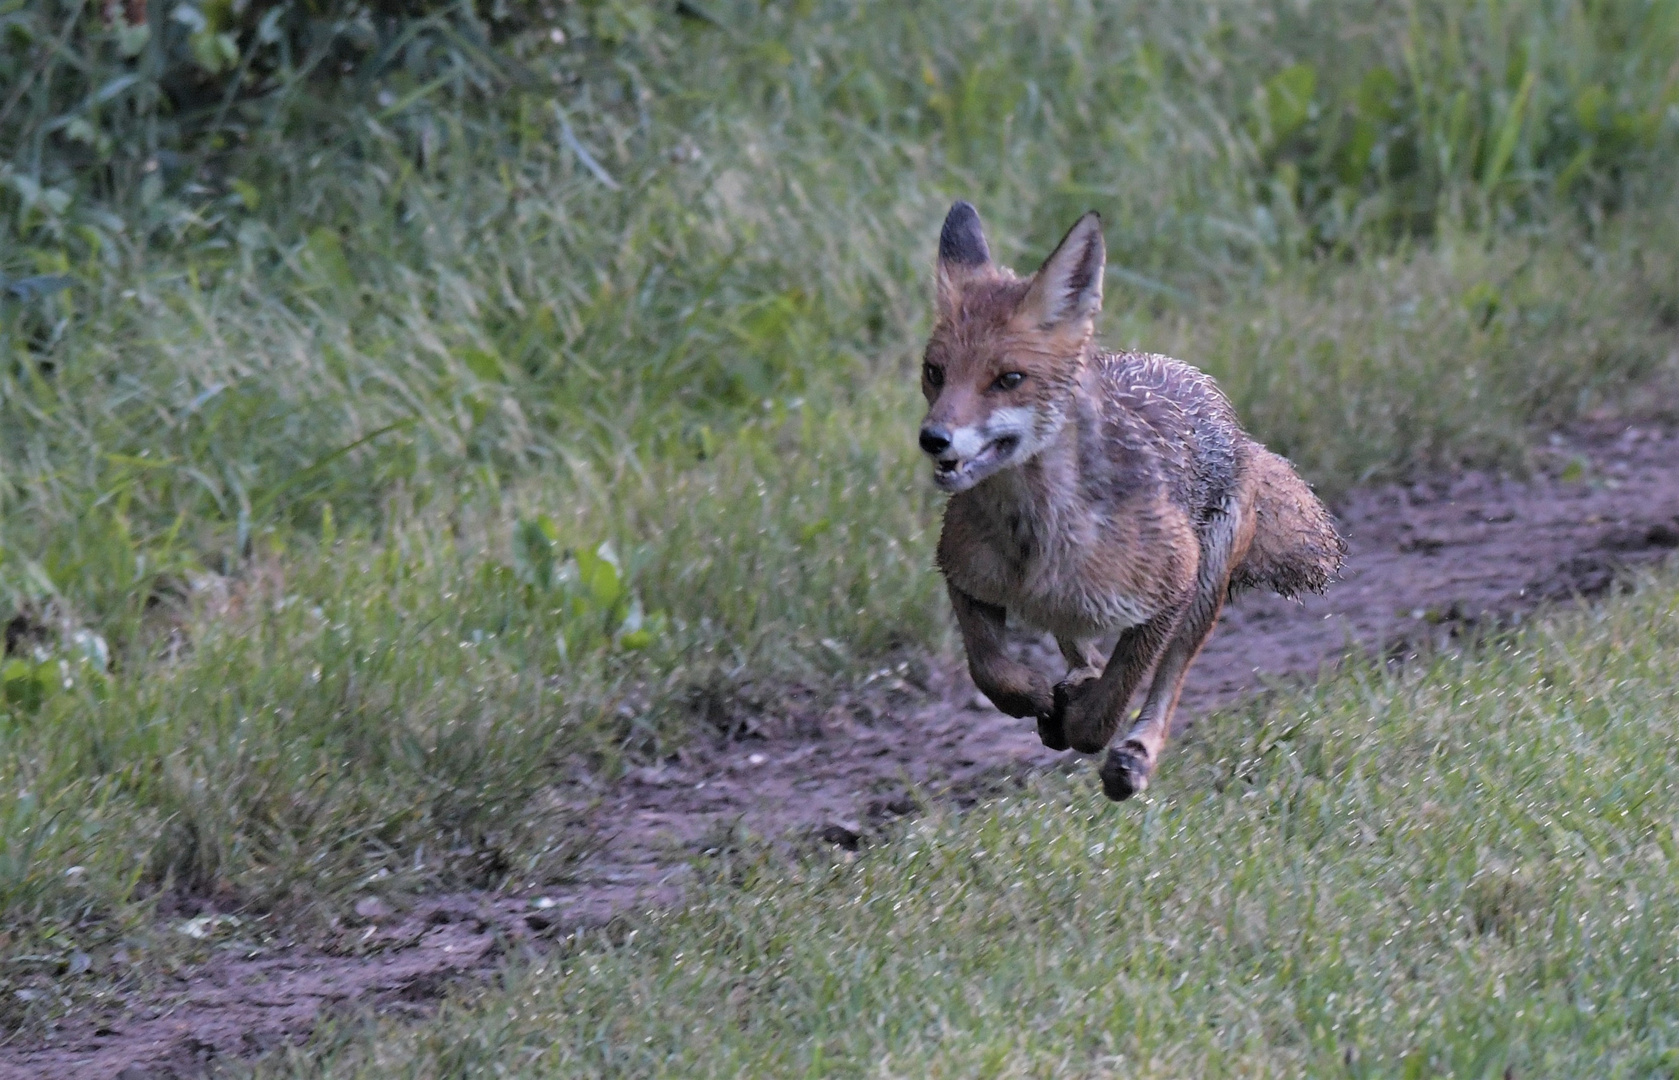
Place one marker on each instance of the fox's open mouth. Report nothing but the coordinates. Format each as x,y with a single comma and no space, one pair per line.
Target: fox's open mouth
954,472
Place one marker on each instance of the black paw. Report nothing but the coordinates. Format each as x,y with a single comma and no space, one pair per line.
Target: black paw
1051,730
1125,772
1071,705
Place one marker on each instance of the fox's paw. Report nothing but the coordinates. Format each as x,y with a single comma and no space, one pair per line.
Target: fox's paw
1051,732
1052,726
1070,718
1125,771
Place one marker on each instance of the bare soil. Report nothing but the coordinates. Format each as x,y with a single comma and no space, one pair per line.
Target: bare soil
1428,562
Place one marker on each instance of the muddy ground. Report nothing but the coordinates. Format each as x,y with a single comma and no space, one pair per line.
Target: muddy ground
1427,561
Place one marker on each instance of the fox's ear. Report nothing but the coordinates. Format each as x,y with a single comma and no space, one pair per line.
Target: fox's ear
963,255
1067,289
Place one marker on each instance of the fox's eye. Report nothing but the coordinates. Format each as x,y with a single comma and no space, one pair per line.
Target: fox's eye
1008,380
933,374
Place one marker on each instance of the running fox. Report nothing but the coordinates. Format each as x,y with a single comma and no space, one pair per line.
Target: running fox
1093,492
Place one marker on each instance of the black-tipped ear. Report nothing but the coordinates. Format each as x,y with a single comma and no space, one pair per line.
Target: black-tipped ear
963,256
1067,289
962,240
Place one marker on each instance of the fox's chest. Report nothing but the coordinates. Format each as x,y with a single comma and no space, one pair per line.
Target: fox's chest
1070,573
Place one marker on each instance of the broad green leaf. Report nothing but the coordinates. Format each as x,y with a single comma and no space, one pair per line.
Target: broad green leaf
1288,99
26,685
533,551
484,364
599,574
1590,106
326,256
247,192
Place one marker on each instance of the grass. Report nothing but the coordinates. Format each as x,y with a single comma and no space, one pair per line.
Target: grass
345,697
1455,871
380,443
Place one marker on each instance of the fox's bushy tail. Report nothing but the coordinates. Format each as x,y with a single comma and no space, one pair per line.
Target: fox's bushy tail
1295,545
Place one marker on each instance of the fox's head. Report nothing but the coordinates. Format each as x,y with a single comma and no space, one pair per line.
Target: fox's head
1006,353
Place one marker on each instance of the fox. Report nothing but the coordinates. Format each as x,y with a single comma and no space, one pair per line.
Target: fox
1093,493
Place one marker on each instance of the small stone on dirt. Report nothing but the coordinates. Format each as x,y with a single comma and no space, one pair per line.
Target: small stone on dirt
840,836
371,908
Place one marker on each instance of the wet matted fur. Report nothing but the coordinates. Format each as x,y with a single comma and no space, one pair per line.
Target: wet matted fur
1093,492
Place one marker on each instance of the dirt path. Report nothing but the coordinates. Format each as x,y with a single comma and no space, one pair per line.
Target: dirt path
1426,561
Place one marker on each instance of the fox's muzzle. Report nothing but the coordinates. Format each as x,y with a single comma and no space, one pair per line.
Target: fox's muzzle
963,456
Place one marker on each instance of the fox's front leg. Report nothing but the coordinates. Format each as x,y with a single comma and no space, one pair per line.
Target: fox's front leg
1088,711
1012,686
1084,667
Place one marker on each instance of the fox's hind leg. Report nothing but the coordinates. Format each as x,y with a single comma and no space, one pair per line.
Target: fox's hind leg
1129,765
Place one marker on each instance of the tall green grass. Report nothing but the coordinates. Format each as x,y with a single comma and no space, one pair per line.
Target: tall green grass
386,284
569,381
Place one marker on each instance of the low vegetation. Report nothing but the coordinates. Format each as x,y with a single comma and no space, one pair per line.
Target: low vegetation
399,403
1463,870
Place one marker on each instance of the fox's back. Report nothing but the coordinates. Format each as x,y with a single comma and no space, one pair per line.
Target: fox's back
1172,426
1168,426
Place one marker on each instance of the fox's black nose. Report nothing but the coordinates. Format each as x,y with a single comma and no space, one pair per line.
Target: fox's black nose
935,440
